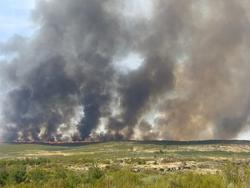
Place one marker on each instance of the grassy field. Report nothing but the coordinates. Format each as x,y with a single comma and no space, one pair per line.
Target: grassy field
126,165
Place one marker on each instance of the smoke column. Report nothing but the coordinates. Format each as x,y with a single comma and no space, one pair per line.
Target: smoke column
67,82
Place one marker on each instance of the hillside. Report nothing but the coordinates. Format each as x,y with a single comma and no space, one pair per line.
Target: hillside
139,162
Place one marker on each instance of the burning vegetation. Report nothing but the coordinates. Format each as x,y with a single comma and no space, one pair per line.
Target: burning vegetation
67,82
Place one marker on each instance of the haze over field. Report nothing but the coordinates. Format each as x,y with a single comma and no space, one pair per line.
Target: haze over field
109,69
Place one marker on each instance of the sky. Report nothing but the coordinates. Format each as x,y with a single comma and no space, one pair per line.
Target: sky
15,19
15,16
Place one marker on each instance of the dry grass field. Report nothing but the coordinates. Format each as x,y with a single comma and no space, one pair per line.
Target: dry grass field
126,164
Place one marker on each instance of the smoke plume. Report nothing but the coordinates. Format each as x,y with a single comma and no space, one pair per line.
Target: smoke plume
67,81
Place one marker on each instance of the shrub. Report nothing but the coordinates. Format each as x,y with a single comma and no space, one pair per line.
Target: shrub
94,174
18,174
37,175
60,173
3,176
196,180
235,174
72,180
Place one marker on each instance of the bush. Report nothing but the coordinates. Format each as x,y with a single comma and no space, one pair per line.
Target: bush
197,180
72,180
60,173
236,175
18,174
94,174
3,176
38,175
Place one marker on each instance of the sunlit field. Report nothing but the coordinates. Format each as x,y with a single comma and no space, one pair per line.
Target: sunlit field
126,165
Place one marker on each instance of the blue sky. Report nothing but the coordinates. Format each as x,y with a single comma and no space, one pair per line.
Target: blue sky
15,18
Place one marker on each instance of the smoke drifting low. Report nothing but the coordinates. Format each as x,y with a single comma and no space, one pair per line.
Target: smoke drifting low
66,83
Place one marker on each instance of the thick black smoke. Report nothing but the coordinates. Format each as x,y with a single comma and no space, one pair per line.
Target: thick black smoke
66,83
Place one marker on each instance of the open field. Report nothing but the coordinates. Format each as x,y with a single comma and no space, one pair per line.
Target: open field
126,164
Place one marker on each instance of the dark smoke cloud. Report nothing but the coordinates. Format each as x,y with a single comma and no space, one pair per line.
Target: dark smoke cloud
64,84
140,90
210,100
